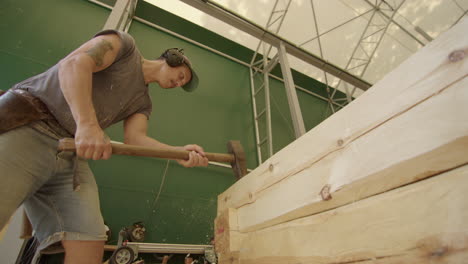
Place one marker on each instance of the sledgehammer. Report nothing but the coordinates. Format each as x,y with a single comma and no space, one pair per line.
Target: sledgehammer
236,156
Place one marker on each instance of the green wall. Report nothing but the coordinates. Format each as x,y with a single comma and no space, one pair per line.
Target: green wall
35,36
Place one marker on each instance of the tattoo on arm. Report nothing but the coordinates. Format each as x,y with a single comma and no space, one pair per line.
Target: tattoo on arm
98,51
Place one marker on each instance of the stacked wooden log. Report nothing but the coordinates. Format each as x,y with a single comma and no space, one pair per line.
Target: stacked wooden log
384,180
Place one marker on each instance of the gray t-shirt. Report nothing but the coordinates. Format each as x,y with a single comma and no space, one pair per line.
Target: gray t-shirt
118,91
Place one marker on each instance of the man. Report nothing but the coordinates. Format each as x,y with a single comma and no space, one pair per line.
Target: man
102,82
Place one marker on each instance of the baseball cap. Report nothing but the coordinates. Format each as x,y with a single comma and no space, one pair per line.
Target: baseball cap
193,83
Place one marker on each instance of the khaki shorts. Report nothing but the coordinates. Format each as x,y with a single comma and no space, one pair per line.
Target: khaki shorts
35,174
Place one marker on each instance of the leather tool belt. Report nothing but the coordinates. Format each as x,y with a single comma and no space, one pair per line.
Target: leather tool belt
19,108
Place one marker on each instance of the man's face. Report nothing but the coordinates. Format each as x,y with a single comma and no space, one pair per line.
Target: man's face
175,76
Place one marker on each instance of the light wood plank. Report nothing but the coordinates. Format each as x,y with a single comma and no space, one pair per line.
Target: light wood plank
424,222
416,80
429,138
227,237
225,226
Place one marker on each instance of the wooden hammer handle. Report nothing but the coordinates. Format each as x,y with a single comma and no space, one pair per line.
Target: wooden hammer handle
68,144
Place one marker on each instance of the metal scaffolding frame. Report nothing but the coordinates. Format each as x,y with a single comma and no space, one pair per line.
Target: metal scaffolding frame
265,65
370,39
229,17
391,18
329,93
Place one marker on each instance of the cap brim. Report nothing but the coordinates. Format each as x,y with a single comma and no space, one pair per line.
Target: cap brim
193,84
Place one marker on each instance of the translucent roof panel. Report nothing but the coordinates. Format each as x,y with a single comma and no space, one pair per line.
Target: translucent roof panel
368,38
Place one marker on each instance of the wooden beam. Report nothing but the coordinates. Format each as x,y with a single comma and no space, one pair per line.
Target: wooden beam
429,138
437,66
424,222
227,237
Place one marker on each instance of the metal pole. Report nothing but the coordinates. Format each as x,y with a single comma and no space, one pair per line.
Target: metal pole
254,108
330,96
117,18
166,248
266,83
296,114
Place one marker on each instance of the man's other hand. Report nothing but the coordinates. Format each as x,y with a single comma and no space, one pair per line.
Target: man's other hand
196,157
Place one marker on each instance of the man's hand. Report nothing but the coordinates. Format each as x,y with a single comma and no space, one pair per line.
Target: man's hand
92,143
196,157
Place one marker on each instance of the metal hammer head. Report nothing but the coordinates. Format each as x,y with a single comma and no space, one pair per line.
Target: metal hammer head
239,165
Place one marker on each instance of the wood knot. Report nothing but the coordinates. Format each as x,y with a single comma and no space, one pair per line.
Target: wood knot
340,142
325,192
456,55
439,252
271,167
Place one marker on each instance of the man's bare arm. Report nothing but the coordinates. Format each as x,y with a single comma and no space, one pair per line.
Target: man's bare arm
135,131
75,75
